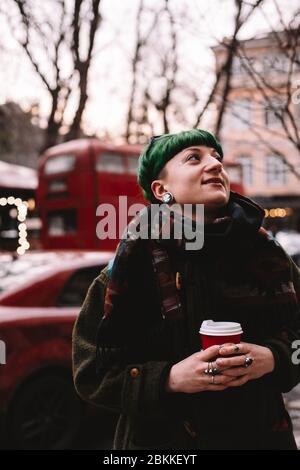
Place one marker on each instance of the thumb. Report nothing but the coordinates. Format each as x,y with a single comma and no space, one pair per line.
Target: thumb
210,353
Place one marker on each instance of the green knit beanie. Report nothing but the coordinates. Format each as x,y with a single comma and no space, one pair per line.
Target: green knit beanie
161,149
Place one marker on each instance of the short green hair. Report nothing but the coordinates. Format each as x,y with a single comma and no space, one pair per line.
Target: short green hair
162,148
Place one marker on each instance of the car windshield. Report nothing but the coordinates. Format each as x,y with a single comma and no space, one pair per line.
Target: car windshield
15,272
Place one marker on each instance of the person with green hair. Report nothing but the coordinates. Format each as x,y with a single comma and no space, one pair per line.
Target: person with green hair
136,344
162,148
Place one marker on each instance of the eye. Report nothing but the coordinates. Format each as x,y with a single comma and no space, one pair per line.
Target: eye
193,156
218,157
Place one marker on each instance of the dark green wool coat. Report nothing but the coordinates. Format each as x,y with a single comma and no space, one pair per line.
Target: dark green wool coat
252,416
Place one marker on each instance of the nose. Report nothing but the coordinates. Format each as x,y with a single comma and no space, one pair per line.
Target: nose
212,164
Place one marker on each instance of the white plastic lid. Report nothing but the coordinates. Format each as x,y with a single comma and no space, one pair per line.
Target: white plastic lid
220,328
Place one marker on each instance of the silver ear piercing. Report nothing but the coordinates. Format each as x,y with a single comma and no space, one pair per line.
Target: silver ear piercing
167,198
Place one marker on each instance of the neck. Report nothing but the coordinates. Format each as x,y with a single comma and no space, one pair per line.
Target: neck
209,216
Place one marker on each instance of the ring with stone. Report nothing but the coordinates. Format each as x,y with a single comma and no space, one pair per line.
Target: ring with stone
248,361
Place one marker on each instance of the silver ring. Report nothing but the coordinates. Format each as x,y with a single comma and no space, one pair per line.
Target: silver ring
215,370
206,371
210,370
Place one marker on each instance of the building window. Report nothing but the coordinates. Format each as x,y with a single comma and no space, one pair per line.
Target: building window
276,63
247,169
241,65
274,111
276,171
239,114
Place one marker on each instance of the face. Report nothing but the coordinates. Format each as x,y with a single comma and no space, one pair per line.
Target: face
195,176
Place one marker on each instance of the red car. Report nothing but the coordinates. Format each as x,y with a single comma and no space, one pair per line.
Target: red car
40,297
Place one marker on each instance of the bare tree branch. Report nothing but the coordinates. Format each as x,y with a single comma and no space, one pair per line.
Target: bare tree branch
222,85
228,68
140,43
21,4
136,57
55,39
82,65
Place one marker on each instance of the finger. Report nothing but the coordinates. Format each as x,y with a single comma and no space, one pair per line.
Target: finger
209,353
239,381
209,367
226,344
231,349
235,372
241,348
227,379
218,380
225,363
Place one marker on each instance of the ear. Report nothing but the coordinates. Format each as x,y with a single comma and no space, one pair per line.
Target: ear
158,189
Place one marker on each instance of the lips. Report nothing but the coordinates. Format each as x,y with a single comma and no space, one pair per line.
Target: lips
214,180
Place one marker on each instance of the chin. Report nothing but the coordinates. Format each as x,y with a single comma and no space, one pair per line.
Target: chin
217,202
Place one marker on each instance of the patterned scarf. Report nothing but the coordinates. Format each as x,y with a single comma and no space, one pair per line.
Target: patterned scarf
269,269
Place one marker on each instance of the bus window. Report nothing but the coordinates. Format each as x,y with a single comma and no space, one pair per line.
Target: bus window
110,163
57,185
133,163
59,164
62,222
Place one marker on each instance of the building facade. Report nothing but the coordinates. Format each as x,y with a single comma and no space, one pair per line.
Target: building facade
260,127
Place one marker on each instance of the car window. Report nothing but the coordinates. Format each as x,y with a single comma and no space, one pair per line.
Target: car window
75,289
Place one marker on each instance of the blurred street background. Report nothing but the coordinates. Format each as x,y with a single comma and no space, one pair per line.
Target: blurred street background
84,85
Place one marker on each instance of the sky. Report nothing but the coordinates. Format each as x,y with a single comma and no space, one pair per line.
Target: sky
109,85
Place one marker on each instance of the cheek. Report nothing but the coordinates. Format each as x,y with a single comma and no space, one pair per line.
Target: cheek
227,188
227,182
185,182
186,189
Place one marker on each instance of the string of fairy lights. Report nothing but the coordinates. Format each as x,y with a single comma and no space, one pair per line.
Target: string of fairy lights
278,212
22,208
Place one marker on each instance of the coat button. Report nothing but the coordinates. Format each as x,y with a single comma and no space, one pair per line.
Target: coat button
134,372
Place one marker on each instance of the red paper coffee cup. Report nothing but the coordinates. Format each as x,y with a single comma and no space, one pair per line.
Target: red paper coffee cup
213,332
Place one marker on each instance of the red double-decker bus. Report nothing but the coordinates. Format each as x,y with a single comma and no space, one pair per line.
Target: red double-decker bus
76,177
